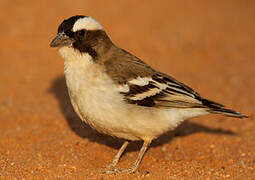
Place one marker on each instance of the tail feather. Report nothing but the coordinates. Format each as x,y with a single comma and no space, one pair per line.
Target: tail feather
227,112
218,109
211,104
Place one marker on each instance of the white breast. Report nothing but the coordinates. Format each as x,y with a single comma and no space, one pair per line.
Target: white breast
94,96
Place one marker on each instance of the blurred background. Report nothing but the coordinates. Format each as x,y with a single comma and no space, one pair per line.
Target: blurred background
208,45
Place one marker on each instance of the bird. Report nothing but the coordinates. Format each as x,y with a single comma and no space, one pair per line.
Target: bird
118,94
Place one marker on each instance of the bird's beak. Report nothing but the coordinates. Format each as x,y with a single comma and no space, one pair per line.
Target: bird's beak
61,40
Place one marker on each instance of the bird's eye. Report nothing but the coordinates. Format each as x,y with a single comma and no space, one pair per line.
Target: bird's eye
69,33
81,33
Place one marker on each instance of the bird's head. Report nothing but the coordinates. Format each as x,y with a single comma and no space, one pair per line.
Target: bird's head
82,33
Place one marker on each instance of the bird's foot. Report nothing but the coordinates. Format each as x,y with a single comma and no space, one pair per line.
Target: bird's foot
112,164
117,171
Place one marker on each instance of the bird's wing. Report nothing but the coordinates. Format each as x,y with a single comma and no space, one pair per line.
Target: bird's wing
142,85
160,90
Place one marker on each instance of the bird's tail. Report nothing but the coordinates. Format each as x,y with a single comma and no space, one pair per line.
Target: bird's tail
228,112
219,109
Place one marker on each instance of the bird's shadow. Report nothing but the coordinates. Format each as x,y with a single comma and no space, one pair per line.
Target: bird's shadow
59,90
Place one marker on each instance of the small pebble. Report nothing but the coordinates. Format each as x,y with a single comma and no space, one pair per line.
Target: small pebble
212,146
164,149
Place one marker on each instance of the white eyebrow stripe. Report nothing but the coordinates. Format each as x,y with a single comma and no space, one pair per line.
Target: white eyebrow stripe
87,23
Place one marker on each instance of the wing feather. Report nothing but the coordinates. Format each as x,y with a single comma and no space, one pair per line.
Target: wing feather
162,91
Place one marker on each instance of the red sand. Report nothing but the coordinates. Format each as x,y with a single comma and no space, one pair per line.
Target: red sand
208,45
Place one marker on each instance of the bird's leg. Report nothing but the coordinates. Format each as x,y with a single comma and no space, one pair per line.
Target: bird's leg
135,165
116,158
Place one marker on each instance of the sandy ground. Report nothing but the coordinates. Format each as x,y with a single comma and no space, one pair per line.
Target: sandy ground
208,45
